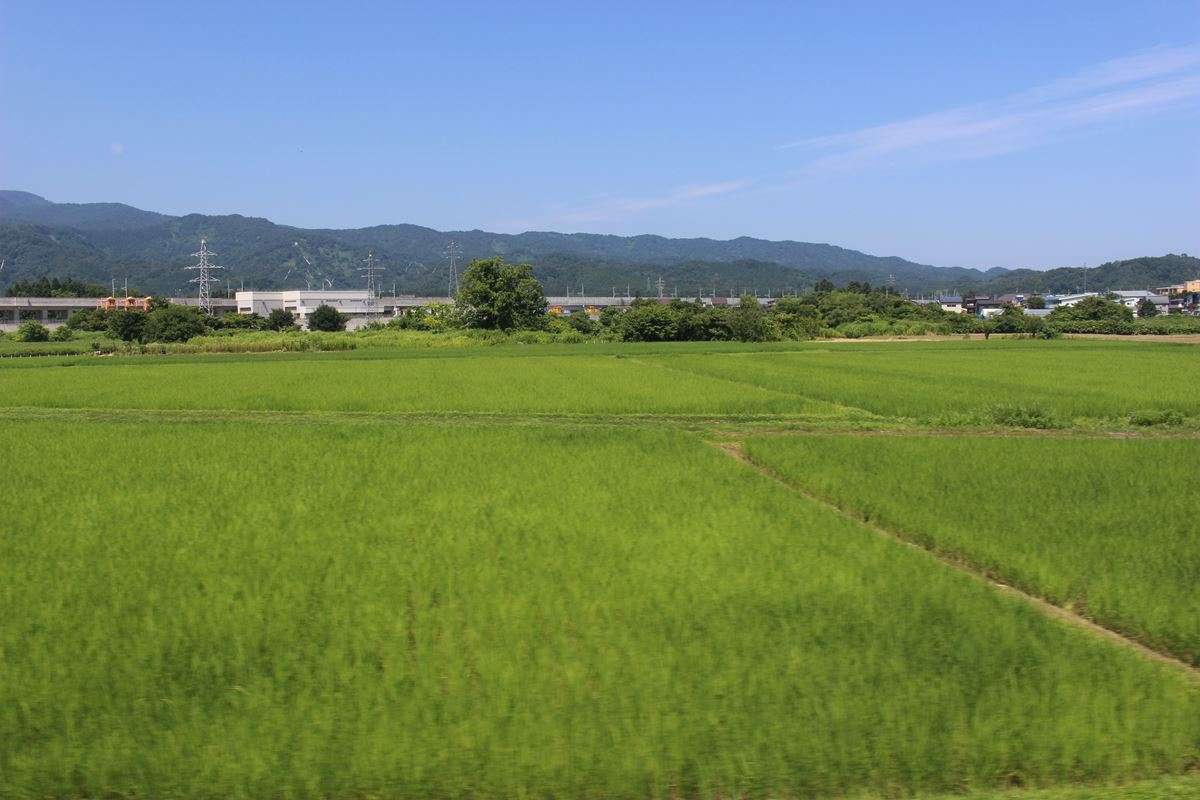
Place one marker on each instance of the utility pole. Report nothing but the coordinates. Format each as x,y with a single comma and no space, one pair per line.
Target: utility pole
452,252
204,278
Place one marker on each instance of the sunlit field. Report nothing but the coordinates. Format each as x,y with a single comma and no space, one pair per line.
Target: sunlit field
230,610
580,383
510,573
928,380
1099,525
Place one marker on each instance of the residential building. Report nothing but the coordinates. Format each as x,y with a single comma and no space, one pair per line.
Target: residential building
1132,298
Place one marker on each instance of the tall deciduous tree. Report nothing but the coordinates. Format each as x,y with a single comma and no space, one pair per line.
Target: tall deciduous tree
494,294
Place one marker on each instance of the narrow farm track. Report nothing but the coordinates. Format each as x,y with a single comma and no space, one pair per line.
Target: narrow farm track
703,423
854,410
721,427
734,450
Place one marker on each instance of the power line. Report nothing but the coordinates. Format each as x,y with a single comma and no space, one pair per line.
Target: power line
452,252
370,270
204,277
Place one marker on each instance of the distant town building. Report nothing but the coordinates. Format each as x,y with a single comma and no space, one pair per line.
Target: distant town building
1130,298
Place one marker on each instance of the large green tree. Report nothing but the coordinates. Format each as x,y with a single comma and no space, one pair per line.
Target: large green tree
494,294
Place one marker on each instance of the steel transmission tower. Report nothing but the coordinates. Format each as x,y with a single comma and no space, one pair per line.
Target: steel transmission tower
452,252
204,277
370,270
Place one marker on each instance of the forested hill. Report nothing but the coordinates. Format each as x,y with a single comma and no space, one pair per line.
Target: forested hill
94,241
1148,272
97,241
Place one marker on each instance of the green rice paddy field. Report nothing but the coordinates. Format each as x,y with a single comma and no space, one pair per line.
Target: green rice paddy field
538,572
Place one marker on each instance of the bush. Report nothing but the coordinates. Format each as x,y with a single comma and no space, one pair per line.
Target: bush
581,323
327,318
173,324
748,321
648,322
1022,416
1011,320
1165,325
61,334
32,331
280,319
88,319
127,325
1092,308
1109,326
238,322
1151,417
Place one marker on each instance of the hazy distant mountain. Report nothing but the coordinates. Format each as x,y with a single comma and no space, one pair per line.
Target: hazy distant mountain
95,241
28,207
1136,273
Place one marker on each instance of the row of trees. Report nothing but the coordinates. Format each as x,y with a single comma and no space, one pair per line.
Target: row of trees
56,287
502,296
165,322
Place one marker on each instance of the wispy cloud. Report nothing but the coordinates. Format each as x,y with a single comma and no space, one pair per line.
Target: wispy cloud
607,208
1156,80
1163,78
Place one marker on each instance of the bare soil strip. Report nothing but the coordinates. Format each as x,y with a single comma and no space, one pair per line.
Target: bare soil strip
735,450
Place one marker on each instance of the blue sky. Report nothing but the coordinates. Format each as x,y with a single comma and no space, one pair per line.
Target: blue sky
972,134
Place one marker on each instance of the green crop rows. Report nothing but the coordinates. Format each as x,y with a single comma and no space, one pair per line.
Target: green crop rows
1108,527
514,572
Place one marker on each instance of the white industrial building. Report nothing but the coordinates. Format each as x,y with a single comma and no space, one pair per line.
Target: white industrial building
360,306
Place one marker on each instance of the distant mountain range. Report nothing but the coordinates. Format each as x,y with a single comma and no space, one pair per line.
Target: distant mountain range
97,241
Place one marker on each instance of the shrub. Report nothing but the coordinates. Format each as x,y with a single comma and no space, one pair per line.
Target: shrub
1165,325
581,323
1151,417
1109,326
748,321
88,319
240,322
280,319
1022,416
126,325
32,331
1010,320
1093,308
61,334
173,324
648,322
327,318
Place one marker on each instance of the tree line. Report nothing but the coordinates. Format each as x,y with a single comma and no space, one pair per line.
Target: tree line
496,295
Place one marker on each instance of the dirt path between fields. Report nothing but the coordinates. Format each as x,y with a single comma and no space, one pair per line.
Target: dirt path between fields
735,450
